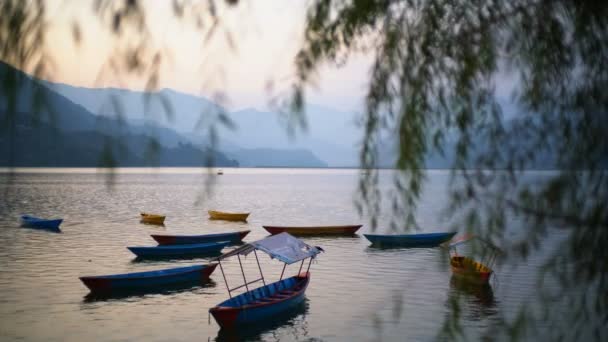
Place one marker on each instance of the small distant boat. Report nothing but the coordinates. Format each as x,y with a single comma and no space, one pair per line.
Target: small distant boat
469,270
232,237
36,222
152,218
314,230
150,279
227,216
270,300
220,172
178,250
410,240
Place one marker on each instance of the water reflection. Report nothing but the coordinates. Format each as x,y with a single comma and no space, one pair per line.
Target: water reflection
289,325
478,299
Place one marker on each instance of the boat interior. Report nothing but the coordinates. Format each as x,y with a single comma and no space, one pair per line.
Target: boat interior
469,264
269,293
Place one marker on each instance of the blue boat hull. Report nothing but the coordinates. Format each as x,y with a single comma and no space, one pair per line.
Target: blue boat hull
410,240
35,222
148,280
261,303
232,237
178,250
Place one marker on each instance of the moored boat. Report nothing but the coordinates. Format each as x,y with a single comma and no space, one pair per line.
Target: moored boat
410,240
272,299
227,216
232,237
178,250
470,270
314,230
152,218
40,223
157,279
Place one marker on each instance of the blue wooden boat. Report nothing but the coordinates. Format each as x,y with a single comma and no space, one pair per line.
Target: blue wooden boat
262,302
232,237
35,222
178,250
151,279
271,299
410,240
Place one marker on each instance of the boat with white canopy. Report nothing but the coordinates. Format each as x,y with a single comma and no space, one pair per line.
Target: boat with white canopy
270,299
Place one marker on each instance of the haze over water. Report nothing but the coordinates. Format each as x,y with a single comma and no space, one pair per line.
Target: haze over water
356,292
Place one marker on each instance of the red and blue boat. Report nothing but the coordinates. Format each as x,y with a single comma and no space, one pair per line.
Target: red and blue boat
410,240
158,279
232,237
177,251
40,223
269,300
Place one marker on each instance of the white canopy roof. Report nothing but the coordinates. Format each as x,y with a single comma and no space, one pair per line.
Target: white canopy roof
282,246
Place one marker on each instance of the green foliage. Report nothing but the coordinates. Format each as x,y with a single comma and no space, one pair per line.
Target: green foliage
435,70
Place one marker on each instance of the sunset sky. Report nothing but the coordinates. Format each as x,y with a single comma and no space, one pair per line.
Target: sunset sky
266,36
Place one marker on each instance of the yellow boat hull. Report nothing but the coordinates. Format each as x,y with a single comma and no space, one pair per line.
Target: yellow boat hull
222,215
470,270
152,218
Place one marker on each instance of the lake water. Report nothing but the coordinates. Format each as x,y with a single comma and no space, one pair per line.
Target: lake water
356,292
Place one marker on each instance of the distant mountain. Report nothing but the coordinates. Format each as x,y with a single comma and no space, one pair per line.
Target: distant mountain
66,134
265,157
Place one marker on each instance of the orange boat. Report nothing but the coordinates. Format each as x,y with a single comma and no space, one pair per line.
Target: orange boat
469,270
152,218
314,230
223,215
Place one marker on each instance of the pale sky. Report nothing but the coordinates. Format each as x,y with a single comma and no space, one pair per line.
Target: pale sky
266,36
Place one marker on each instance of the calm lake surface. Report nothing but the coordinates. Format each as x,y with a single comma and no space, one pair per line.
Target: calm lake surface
356,292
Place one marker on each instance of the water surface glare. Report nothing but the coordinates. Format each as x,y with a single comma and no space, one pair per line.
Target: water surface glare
357,292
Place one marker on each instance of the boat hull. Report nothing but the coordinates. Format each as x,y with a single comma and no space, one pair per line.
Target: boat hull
220,215
410,240
178,250
152,218
38,223
469,270
262,303
148,280
233,237
317,230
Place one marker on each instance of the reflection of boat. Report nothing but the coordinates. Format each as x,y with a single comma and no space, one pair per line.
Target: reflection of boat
227,216
410,240
152,218
232,237
270,299
35,222
178,250
482,292
292,320
468,269
314,230
149,279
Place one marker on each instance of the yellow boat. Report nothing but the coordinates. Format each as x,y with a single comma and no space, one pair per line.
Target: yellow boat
222,215
152,218
470,270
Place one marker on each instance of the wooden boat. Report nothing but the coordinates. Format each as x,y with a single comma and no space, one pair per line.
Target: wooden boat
178,250
149,279
262,302
410,240
314,230
232,237
467,269
470,270
39,223
269,300
222,215
152,218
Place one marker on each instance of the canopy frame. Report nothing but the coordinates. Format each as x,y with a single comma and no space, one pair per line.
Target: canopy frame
311,253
